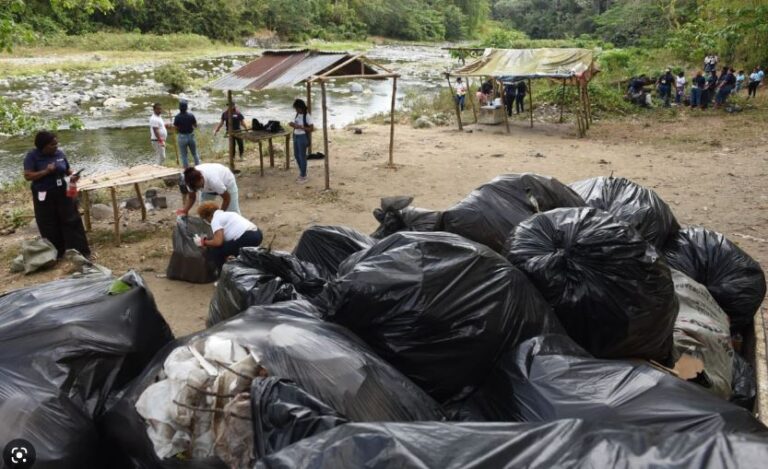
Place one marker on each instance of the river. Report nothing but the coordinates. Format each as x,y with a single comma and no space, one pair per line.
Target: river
116,135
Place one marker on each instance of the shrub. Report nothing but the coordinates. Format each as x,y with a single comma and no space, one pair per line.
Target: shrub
174,76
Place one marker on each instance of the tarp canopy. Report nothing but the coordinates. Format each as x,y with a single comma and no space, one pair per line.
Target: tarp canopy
277,69
513,64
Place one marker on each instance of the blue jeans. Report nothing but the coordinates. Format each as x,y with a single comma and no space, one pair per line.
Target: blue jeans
460,101
234,201
722,94
187,141
218,255
665,92
695,97
300,144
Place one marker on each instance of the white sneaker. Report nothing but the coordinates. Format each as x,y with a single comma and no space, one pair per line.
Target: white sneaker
302,180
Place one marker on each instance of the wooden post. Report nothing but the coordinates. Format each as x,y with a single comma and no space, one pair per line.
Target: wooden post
456,103
287,151
562,101
470,96
309,108
116,213
503,104
271,154
261,159
589,103
530,101
230,131
325,137
392,124
87,210
141,201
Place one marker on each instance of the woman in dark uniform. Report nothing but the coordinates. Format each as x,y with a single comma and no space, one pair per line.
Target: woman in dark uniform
56,214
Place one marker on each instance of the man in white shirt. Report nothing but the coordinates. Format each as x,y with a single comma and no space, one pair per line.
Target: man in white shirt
213,180
158,133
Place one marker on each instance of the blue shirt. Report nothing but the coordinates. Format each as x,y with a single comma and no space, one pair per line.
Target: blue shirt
760,75
37,161
185,122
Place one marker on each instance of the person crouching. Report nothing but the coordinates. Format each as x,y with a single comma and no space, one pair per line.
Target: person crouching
231,231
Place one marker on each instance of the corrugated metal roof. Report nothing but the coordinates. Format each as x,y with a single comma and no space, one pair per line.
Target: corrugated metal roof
305,69
277,69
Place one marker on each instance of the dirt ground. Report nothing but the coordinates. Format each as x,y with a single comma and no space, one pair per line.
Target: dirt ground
710,169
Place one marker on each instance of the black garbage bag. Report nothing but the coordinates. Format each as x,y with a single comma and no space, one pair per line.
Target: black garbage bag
283,413
437,306
395,214
610,289
744,383
735,280
289,342
66,346
188,262
327,246
628,201
260,277
561,444
490,212
550,377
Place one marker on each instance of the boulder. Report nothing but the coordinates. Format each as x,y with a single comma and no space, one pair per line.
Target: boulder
355,88
101,212
115,103
422,122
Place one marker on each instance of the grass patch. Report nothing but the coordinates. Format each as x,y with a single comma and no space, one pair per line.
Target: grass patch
129,41
16,218
335,46
106,236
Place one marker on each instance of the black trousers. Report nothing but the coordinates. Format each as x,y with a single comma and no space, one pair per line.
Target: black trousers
509,100
520,103
59,221
240,146
752,88
218,255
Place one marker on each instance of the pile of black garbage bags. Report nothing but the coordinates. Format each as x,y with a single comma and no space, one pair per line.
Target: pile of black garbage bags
532,324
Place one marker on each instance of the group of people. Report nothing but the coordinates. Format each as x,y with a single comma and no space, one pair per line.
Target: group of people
513,95
706,87
56,209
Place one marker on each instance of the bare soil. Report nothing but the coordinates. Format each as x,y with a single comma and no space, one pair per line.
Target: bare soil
711,169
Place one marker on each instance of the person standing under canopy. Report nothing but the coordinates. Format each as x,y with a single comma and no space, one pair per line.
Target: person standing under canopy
56,214
238,122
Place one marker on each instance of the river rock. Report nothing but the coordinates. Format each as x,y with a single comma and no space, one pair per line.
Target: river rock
116,103
355,88
101,212
422,122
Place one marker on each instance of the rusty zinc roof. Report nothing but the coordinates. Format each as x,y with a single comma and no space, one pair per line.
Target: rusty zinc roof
285,68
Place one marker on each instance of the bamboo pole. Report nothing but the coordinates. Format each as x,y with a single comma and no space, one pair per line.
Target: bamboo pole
87,210
325,137
309,108
503,103
530,101
230,131
562,101
287,151
589,103
392,125
456,103
141,201
261,159
469,96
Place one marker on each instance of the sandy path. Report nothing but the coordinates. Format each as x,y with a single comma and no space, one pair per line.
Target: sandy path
718,184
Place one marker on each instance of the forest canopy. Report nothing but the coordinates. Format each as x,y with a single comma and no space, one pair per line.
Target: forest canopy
736,29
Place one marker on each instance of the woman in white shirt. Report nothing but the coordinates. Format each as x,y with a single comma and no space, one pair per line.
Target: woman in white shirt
302,127
231,231
213,180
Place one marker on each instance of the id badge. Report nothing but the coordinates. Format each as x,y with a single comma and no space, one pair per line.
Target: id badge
59,183
41,196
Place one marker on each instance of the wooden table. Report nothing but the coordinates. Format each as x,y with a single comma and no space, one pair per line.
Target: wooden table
121,177
259,136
